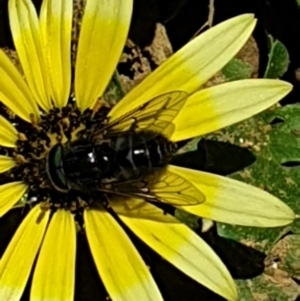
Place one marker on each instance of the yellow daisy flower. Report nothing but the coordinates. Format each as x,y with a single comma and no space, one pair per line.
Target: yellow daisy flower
42,99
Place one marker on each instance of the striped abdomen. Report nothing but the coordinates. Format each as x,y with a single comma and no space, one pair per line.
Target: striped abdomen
142,151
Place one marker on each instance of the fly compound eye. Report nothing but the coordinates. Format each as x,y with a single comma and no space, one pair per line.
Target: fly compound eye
54,169
78,166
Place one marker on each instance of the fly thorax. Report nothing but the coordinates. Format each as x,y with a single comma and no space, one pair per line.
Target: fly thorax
84,164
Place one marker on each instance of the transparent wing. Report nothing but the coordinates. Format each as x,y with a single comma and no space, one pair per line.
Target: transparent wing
154,115
163,186
173,189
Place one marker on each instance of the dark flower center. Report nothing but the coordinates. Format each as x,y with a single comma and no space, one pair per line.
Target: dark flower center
35,141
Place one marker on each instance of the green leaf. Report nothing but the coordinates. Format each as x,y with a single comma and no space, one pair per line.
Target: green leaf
187,218
286,254
272,145
237,69
285,144
278,59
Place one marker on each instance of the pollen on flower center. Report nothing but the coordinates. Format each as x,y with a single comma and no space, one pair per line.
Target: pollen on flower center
36,139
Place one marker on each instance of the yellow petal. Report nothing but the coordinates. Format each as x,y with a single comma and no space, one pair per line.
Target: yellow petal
192,65
102,37
6,163
54,274
26,34
120,267
14,92
214,108
8,133
235,202
56,27
18,259
184,249
137,209
10,194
